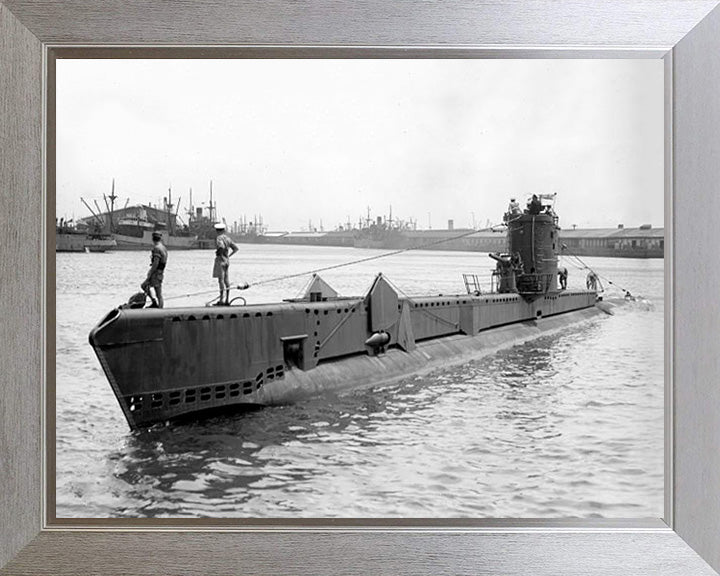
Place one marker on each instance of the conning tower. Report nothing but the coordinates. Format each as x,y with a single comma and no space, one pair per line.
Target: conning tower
530,266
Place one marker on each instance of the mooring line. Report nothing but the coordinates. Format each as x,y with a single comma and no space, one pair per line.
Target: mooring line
586,267
369,258
335,266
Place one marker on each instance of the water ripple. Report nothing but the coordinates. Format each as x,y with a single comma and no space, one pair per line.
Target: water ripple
568,425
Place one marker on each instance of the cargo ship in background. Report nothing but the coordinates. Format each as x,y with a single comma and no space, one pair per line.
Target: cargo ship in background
644,241
382,233
173,363
132,226
70,237
202,220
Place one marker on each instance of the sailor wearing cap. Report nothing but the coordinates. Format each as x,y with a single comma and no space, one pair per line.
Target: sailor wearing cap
158,260
224,248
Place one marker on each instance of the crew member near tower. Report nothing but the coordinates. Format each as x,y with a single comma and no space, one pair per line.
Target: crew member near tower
563,274
591,281
224,248
154,280
534,206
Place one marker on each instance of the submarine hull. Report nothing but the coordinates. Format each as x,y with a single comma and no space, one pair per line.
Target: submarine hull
165,364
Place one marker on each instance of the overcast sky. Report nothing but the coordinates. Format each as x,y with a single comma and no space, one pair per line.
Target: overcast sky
322,140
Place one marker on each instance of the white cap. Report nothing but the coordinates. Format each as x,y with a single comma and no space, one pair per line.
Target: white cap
219,226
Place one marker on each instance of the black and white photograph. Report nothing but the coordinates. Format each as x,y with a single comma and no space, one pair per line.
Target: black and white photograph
362,288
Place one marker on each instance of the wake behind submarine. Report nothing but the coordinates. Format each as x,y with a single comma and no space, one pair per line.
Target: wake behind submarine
170,363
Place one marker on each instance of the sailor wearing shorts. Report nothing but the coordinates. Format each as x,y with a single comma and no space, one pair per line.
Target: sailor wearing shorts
224,248
154,280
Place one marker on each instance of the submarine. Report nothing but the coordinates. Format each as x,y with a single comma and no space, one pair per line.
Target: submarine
166,364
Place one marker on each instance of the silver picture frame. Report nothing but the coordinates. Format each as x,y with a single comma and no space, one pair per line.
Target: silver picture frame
684,33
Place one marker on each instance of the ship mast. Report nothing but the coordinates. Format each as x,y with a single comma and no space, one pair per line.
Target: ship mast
104,223
212,210
107,206
168,210
112,205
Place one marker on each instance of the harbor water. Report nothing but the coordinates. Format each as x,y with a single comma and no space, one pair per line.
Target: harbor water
568,425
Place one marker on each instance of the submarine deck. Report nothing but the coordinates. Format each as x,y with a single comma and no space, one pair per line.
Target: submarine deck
167,363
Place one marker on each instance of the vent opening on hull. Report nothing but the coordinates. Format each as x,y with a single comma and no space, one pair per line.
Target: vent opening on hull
293,354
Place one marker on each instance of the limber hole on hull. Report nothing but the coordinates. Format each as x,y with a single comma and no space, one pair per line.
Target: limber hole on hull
156,401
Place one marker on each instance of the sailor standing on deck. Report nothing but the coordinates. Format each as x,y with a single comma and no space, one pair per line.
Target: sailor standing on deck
591,281
224,248
563,274
158,260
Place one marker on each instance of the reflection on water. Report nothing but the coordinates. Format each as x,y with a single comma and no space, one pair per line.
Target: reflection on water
569,425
